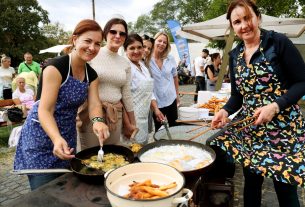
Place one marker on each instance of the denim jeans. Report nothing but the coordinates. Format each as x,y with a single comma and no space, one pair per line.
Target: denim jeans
41,179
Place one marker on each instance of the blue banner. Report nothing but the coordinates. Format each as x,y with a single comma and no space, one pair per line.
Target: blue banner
181,43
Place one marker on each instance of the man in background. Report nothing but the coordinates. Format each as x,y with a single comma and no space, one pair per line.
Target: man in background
199,65
29,65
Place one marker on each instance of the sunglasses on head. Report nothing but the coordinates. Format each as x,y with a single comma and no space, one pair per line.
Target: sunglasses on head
114,32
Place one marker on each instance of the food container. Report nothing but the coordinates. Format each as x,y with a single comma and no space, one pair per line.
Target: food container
188,113
117,185
190,173
204,96
203,113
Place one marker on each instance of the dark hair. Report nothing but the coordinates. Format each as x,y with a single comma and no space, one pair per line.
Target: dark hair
214,56
146,37
112,22
206,51
243,3
131,39
82,27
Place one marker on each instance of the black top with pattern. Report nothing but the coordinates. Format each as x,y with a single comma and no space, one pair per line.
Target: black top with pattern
62,65
287,61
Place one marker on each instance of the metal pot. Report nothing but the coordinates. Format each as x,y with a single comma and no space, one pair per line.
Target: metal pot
98,177
187,174
117,185
76,165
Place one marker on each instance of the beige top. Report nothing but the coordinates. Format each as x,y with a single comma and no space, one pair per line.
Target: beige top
114,76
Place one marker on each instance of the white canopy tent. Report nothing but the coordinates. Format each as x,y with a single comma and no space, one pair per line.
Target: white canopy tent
218,28
55,49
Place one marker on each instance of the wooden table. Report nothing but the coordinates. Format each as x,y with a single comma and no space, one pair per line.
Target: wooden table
65,191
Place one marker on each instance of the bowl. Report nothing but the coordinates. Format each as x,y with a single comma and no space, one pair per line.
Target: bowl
117,185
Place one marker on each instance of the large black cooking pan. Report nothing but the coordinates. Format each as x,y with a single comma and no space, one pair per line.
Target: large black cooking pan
187,174
97,177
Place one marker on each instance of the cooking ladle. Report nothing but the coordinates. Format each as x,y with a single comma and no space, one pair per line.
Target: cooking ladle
165,124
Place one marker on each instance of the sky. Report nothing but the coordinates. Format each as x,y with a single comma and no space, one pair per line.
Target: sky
69,12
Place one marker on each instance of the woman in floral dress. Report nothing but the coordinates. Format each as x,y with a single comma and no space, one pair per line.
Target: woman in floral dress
268,78
48,137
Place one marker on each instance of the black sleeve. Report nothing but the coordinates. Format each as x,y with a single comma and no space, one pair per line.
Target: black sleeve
62,65
92,75
236,99
292,67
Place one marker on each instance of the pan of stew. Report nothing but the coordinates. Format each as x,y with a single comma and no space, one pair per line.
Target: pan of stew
114,156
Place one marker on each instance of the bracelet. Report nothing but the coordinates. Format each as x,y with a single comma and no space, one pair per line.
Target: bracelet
97,119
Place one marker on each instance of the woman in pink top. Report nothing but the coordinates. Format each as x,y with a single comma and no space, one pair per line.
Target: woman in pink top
22,95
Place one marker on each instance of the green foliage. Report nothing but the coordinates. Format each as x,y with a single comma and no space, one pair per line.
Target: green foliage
56,34
145,25
163,11
20,31
193,11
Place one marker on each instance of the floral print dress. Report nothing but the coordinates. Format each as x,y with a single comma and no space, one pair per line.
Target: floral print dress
35,148
274,149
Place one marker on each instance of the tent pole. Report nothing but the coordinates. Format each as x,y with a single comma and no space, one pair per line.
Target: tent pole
225,59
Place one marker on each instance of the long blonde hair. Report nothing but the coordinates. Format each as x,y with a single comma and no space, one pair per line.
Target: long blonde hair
168,46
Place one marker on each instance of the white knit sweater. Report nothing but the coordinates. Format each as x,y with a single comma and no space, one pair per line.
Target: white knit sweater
114,76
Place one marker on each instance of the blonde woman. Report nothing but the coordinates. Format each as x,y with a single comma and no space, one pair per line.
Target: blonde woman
166,88
7,74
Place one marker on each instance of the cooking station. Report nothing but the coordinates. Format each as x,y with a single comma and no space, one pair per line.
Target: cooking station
65,191
69,191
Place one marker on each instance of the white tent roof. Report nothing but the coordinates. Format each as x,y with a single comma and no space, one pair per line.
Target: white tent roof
54,49
217,28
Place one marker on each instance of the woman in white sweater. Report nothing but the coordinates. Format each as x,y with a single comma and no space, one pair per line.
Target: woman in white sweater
114,88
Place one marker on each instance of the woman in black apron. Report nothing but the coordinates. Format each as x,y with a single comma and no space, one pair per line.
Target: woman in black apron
268,78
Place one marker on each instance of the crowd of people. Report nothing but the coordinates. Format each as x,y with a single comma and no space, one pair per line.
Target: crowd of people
94,95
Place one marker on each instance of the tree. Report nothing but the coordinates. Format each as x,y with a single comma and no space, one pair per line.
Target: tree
56,34
145,25
193,11
20,31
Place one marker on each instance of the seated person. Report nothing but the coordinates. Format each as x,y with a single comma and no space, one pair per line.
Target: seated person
23,95
31,81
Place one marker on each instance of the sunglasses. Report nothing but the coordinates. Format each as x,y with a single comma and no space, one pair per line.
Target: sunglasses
114,32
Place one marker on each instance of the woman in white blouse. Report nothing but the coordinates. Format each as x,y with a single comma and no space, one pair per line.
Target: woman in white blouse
7,74
141,85
166,88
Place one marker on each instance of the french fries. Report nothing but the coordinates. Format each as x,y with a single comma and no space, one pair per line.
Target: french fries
148,190
214,104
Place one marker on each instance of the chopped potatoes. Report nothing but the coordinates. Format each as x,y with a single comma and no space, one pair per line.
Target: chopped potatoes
214,104
148,190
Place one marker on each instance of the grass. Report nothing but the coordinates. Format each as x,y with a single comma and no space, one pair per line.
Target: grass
5,132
